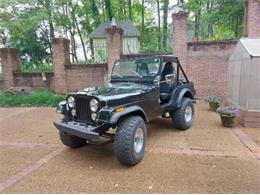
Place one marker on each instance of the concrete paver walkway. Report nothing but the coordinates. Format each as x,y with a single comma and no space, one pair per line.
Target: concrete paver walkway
204,159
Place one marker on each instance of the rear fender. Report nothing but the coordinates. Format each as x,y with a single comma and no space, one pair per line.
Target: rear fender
184,93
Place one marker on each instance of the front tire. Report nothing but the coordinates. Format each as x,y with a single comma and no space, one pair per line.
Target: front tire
183,118
130,140
71,141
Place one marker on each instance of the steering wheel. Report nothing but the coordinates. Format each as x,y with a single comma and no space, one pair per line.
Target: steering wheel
152,74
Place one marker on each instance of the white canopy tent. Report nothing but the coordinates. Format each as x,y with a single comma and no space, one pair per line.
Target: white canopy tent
244,75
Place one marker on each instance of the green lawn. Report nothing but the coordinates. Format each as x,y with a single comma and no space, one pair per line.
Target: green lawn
35,98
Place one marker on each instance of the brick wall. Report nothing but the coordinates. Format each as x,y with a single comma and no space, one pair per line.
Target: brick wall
80,76
1,84
207,66
34,80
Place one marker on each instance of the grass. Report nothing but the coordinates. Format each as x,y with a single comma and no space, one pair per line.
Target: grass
35,98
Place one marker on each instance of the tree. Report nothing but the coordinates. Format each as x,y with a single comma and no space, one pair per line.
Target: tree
108,7
216,19
159,23
130,9
165,22
143,8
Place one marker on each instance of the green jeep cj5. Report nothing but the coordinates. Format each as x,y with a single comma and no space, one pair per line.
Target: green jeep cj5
137,91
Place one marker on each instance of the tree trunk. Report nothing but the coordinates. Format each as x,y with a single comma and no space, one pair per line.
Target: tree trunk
103,9
95,12
124,9
81,39
130,9
109,9
210,27
197,22
159,24
142,22
165,24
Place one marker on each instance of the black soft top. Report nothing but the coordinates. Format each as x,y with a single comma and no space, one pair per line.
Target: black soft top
164,58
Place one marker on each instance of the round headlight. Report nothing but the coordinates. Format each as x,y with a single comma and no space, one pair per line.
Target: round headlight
93,105
71,102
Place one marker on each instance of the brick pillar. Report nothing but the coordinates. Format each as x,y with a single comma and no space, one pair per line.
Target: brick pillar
252,18
10,63
61,57
114,45
180,36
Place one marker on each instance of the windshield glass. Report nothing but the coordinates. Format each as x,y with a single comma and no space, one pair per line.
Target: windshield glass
138,69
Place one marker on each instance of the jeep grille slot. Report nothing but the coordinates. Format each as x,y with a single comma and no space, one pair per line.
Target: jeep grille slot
83,110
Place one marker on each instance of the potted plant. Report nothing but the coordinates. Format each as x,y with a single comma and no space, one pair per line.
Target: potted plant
228,115
213,101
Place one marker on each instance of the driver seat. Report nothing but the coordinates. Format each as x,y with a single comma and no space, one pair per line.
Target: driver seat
142,69
165,88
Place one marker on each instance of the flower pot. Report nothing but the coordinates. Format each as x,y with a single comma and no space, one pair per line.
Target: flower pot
228,121
213,106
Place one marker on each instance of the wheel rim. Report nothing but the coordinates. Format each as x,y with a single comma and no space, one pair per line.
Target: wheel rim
138,140
188,114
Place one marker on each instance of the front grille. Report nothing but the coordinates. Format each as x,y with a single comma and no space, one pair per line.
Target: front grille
82,109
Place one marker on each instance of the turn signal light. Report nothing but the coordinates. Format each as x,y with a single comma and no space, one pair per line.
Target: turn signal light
120,109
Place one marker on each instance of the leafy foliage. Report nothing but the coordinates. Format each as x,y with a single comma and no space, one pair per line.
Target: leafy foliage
36,98
214,100
30,25
30,67
216,19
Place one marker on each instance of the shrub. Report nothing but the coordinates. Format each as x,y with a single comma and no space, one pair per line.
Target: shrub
35,98
29,67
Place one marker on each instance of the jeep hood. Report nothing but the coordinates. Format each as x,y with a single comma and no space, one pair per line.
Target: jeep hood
118,91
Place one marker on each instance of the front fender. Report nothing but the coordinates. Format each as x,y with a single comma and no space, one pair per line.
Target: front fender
110,116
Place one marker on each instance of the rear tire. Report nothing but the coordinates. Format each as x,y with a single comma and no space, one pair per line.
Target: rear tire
71,141
183,118
130,140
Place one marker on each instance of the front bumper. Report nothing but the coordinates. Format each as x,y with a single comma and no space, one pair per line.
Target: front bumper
78,129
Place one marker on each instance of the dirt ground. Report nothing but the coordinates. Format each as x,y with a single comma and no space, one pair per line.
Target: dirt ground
207,158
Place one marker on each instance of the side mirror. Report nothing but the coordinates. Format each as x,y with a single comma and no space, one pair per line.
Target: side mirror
157,80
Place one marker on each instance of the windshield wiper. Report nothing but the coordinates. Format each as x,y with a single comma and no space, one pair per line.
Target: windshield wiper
114,73
140,76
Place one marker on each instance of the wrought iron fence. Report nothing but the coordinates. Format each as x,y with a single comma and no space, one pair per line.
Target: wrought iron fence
92,55
36,62
131,45
100,52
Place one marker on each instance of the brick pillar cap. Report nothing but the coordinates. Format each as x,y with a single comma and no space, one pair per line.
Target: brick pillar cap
112,30
60,40
180,14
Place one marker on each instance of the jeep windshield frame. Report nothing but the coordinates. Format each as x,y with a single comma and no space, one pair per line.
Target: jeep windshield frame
143,69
